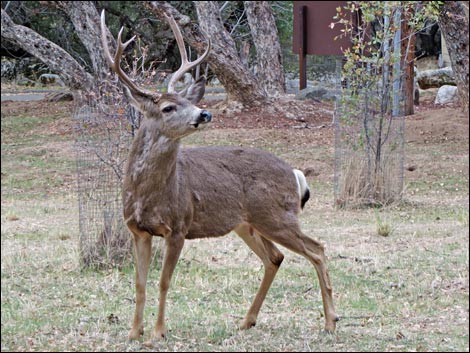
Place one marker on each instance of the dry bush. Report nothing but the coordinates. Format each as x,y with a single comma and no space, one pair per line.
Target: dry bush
362,184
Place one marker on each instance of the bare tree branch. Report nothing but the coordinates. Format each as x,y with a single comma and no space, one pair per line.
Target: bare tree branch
240,84
73,74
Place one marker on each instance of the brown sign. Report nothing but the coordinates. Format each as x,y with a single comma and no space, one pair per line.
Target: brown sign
312,28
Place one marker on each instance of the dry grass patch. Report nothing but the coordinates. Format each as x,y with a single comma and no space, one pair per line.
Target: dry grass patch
404,292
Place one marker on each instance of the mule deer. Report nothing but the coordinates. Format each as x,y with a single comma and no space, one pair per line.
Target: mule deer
188,193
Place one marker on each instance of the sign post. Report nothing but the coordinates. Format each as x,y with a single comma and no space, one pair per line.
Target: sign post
303,47
313,34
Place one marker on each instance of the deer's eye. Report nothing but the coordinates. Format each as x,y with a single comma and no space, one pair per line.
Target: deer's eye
168,109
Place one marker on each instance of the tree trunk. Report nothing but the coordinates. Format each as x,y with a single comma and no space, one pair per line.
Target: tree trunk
73,74
86,21
239,82
453,21
408,57
268,49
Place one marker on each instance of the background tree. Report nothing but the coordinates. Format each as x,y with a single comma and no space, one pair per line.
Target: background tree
246,57
268,49
59,60
241,84
369,117
453,20
65,36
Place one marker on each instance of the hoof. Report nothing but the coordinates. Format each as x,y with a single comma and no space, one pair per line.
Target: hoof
158,335
155,338
247,325
328,331
330,327
135,333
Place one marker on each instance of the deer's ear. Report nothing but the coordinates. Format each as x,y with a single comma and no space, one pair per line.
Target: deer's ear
195,91
141,102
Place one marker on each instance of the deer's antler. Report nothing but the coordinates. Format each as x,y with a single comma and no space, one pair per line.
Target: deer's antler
185,64
115,63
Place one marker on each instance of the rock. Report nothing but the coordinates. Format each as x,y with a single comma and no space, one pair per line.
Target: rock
292,86
318,93
215,82
435,78
51,79
446,94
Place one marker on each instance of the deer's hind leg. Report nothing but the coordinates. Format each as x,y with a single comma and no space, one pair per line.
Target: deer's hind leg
285,231
271,258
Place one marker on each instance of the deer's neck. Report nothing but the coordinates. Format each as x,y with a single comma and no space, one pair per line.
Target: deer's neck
152,159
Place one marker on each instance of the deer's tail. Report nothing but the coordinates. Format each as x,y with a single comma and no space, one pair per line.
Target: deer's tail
302,187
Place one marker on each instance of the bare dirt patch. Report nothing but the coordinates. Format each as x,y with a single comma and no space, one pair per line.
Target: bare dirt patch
313,121
430,123
433,123
286,112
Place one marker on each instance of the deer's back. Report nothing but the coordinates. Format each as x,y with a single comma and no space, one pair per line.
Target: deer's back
232,185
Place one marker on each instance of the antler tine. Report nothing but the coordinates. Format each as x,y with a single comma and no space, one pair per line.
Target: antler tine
186,65
115,63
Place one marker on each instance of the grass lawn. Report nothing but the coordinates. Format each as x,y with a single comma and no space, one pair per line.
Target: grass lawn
406,291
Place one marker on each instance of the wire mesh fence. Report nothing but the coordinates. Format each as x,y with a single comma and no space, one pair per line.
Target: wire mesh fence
368,170
369,145
105,125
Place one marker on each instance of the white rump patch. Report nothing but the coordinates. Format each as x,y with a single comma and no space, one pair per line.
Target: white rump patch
302,185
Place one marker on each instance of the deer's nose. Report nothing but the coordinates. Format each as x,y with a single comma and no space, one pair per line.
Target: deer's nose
206,116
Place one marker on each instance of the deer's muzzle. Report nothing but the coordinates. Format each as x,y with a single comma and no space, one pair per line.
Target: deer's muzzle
203,118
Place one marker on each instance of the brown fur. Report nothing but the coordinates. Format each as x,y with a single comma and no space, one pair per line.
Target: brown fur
220,194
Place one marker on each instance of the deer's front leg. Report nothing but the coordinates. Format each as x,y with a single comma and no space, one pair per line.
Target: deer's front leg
143,250
174,245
